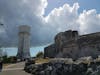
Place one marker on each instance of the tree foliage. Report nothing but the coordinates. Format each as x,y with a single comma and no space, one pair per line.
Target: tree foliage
40,55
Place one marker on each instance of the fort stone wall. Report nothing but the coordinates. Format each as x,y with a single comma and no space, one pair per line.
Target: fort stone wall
70,44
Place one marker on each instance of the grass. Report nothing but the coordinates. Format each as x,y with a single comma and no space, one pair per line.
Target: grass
41,60
4,65
46,60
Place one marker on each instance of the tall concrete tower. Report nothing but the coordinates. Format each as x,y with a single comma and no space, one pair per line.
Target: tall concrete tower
24,42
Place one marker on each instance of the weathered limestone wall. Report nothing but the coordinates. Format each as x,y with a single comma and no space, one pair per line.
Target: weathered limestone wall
69,44
70,49
89,45
50,51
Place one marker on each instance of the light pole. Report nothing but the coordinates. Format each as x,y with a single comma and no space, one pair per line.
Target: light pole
1,51
1,25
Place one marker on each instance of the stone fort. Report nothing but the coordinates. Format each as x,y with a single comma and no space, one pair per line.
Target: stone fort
70,44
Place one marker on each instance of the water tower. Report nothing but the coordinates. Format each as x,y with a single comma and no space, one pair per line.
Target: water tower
24,42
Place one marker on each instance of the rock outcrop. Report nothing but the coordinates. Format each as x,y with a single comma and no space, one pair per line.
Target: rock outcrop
61,67
70,44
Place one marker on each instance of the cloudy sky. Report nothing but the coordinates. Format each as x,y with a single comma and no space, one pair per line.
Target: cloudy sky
47,18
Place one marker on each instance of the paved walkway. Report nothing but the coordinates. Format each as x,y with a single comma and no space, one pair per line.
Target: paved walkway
14,69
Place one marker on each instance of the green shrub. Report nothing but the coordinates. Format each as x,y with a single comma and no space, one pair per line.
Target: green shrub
11,59
40,55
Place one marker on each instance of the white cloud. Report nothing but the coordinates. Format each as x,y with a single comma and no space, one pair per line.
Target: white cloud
89,21
67,17
37,6
43,29
64,18
18,12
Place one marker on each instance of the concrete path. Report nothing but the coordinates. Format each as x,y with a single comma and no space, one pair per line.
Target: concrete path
14,69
